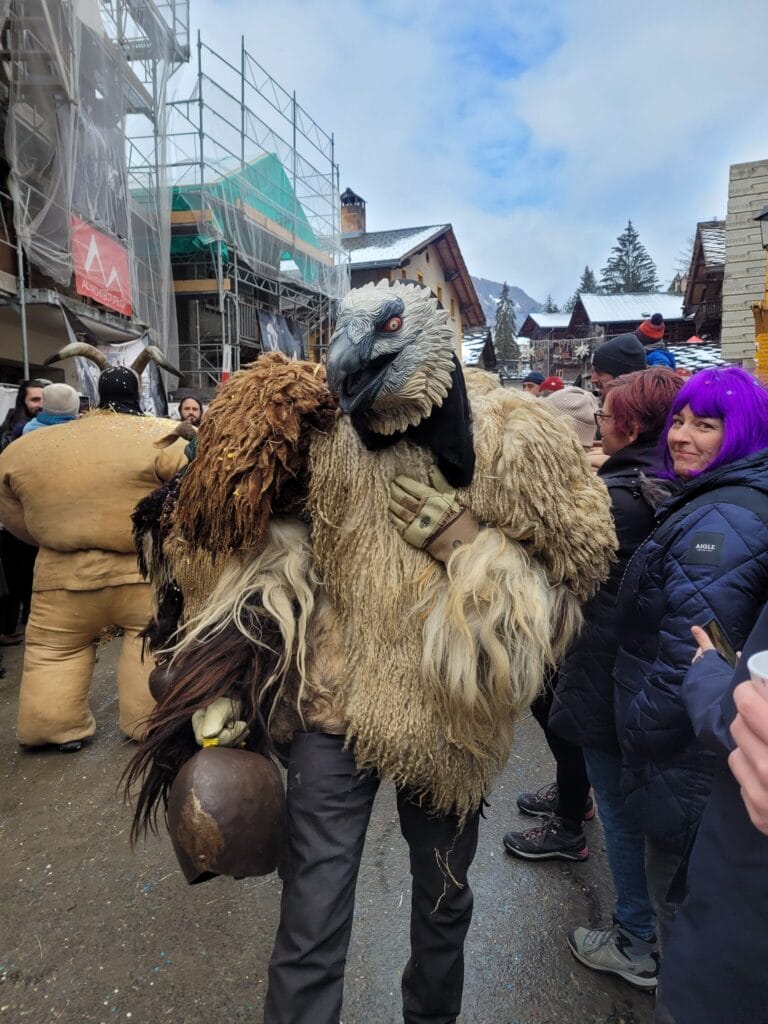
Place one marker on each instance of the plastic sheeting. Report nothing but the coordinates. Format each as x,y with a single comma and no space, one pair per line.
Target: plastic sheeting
72,92
259,176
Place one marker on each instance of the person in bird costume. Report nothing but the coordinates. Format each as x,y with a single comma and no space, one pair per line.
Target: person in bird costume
72,491
366,568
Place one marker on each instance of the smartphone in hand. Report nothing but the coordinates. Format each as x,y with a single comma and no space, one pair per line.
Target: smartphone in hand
720,642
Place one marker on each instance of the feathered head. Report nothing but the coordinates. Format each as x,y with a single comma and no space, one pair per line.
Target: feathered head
391,355
391,362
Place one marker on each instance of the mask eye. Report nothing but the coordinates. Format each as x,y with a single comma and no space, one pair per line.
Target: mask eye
393,325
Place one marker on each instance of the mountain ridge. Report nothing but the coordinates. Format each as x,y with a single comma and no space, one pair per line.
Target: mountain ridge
488,293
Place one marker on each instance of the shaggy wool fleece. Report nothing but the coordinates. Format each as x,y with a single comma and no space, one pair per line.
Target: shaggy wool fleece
426,667
438,664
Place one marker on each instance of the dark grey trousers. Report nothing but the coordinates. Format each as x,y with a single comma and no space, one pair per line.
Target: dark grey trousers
328,809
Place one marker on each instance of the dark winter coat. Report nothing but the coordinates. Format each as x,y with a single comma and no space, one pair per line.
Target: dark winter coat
700,563
715,966
582,711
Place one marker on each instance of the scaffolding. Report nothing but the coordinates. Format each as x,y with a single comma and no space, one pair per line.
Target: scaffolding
85,78
256,236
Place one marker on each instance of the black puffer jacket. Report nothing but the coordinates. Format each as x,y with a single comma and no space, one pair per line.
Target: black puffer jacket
583,711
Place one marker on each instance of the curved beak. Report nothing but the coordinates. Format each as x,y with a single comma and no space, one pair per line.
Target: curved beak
344,359
352,374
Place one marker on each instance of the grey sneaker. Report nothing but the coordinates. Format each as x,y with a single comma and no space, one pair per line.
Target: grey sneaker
617,951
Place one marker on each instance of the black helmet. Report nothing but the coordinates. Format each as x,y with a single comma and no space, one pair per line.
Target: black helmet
225,814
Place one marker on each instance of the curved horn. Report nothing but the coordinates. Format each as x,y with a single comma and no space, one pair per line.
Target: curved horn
79,348
153,354
184,430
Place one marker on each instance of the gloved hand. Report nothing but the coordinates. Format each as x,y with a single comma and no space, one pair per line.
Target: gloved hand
219,724
430,517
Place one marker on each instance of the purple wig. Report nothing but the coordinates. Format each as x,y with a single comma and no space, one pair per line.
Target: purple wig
735,397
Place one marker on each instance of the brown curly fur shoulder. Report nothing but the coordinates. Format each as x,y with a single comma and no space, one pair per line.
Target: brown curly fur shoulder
252,451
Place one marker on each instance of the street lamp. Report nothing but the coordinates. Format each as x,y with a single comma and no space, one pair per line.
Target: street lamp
762,218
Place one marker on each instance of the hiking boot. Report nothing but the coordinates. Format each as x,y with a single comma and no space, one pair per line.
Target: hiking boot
544,802
616,951
555,839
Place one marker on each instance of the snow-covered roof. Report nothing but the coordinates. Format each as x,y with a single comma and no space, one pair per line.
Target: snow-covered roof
697,356
713,242
550,320
382,247
602,309
471,350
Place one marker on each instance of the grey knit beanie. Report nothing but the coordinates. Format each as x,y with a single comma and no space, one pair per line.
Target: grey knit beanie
61,400
580,408
622,354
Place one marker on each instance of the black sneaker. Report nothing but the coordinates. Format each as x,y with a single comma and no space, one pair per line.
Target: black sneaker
544,802
553,840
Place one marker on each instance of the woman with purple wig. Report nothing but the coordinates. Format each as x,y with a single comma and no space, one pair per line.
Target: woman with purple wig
705,562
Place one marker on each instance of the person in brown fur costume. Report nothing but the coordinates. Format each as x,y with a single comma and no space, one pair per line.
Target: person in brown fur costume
375,652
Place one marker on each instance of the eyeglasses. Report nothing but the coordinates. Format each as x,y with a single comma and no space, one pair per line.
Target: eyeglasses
600,416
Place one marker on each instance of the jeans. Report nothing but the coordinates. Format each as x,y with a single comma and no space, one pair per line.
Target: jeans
328,809
624,843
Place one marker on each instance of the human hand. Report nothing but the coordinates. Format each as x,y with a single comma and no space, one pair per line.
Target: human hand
749,761
219,724
702,639
429,517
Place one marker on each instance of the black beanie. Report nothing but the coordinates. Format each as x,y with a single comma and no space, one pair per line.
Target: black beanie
622,354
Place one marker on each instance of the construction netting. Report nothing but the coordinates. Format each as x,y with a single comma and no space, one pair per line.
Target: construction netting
90,205
257,176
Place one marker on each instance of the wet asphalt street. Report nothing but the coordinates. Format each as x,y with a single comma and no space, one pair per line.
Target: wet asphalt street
92,932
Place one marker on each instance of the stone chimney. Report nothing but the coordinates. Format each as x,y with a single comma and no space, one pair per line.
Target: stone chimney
352,214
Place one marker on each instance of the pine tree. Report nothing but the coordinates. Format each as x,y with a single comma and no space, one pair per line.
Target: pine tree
550,306
629,267
507,349
588,283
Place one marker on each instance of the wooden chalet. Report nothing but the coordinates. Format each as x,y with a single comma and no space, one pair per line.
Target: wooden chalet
602,316
545,326
429,255
703,300
477,350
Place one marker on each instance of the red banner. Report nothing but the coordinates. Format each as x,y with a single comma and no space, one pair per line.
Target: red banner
101,267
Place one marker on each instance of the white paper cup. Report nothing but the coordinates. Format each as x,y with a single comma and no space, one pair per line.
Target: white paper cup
758,672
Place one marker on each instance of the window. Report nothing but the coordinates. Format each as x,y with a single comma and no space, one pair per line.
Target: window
403,273
420,277
453,308
440,295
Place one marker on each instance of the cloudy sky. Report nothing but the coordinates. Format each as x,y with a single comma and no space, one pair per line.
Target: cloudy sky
536,127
